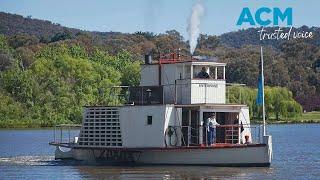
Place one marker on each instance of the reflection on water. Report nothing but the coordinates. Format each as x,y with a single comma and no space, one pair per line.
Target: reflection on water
26,154
189,172
44,165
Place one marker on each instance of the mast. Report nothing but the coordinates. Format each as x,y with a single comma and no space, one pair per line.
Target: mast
263,106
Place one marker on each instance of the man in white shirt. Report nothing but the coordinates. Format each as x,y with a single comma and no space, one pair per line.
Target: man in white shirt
211,129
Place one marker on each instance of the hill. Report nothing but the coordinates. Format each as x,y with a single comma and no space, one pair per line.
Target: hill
12,24
251,36
293,64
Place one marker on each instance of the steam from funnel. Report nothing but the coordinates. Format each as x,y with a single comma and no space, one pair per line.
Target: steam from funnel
194,23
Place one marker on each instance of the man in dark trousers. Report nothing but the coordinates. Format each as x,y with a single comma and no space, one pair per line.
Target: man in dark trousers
211,129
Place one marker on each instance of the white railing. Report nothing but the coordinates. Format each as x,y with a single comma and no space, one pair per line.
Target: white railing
189,91
228,134
65,134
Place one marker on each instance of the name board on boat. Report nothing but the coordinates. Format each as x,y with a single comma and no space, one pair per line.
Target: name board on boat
214,85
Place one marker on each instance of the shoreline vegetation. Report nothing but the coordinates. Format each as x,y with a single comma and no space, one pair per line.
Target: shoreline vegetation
49,72
305,118
308,117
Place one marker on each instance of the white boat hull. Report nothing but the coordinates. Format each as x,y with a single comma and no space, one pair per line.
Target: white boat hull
243,155
229,156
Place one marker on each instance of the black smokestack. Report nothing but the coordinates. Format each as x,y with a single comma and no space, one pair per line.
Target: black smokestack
147,59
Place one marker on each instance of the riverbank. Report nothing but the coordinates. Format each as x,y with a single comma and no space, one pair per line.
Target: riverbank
13,124
287,122
309,117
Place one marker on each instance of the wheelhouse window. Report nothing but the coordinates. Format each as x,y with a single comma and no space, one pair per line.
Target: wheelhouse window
208,72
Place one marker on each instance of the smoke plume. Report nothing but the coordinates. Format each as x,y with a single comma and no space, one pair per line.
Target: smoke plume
194,23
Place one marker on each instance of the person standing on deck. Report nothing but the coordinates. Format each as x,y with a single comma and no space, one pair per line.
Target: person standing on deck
211,129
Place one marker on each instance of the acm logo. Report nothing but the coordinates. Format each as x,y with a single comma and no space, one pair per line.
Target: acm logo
257,18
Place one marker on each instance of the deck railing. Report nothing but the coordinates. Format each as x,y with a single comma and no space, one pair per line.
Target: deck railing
182,92
236,134
191,137
64,134
229,134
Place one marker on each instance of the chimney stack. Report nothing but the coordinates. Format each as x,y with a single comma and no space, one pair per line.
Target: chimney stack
147,59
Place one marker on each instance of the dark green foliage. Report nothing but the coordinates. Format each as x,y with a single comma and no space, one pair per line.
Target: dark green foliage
22,40
51,85
61,36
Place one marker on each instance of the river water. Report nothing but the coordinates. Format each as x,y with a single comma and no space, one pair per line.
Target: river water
26,154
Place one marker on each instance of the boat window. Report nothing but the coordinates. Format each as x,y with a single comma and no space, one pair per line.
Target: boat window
197,72
214,72
149,120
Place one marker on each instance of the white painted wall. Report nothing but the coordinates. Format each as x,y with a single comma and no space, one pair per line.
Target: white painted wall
183,91
244,117
208,91
173,118
135,131
168,77
149,75
169,74
201,91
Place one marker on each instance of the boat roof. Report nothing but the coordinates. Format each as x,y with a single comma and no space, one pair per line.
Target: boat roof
205,105
211,105
203,63
192,62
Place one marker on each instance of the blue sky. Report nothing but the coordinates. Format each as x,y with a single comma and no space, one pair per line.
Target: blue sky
154,15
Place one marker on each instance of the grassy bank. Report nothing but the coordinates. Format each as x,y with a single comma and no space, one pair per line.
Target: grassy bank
309,117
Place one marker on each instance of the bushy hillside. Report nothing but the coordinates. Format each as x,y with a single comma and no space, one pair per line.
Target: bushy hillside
42,63
251,36
11,24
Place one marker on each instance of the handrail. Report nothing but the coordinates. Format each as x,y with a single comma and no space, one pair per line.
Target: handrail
68,125
61,127
173,93
187,126
233,135
204,79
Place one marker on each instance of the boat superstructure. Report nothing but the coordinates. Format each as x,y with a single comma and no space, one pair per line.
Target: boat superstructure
164,121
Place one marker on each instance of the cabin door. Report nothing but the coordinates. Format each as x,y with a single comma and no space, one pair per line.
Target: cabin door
221,119
190,128
194,127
